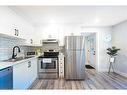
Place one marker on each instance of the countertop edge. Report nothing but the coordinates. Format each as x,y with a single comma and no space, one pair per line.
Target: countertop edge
8,64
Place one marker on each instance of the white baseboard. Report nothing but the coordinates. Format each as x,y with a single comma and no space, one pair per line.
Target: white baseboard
121,73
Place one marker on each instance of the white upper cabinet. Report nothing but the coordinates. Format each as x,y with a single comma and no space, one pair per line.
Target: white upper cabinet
14,25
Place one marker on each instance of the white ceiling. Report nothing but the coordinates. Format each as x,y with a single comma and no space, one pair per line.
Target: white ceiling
85,15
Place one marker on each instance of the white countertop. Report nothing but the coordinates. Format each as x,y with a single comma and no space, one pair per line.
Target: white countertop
7,64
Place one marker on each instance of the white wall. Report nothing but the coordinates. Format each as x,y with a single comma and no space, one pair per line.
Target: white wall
61,30
119,40
102,57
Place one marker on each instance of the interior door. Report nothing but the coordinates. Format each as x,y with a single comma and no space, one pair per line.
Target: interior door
88,50
93,50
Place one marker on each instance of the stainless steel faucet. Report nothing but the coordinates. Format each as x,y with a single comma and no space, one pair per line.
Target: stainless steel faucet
13,54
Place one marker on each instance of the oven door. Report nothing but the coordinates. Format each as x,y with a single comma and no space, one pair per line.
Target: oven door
48,65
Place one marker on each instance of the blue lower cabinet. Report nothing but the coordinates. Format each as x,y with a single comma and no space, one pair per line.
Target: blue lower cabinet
6,78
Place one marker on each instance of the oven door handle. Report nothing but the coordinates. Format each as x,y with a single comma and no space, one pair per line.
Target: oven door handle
41,64
56,64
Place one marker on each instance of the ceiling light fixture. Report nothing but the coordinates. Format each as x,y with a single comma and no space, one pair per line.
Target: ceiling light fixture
97,20
52,21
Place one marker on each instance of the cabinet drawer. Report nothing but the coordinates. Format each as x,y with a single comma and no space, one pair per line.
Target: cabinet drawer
61,60
61,65
61,72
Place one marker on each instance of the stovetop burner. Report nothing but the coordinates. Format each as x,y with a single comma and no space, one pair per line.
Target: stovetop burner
49,55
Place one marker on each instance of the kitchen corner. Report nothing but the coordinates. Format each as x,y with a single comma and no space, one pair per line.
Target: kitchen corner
18,62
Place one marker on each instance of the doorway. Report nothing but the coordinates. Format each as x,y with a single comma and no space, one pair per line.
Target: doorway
91,51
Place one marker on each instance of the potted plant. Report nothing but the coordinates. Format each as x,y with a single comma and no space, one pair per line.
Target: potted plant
112,52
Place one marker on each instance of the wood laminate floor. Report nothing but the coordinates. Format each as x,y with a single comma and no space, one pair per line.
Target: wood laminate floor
93,81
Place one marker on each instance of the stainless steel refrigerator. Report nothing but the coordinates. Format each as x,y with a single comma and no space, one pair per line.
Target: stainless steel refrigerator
75,57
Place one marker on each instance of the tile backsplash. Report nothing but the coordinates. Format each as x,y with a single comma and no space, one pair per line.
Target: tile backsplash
6,46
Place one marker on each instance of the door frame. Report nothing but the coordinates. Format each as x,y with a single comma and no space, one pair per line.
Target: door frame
97,50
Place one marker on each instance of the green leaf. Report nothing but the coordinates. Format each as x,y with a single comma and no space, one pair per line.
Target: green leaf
112,51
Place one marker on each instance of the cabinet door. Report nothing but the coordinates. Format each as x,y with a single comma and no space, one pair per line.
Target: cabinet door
61,66
13,30
20,76
32,71
7,29
24,74
21,31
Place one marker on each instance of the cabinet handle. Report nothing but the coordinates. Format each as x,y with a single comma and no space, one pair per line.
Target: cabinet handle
29,61
15,32
94,53
29,64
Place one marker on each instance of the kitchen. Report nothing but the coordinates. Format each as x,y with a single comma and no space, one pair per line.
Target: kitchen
46,47
25,69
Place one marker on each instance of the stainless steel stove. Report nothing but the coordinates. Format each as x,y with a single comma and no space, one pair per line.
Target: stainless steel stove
48,65
48,62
